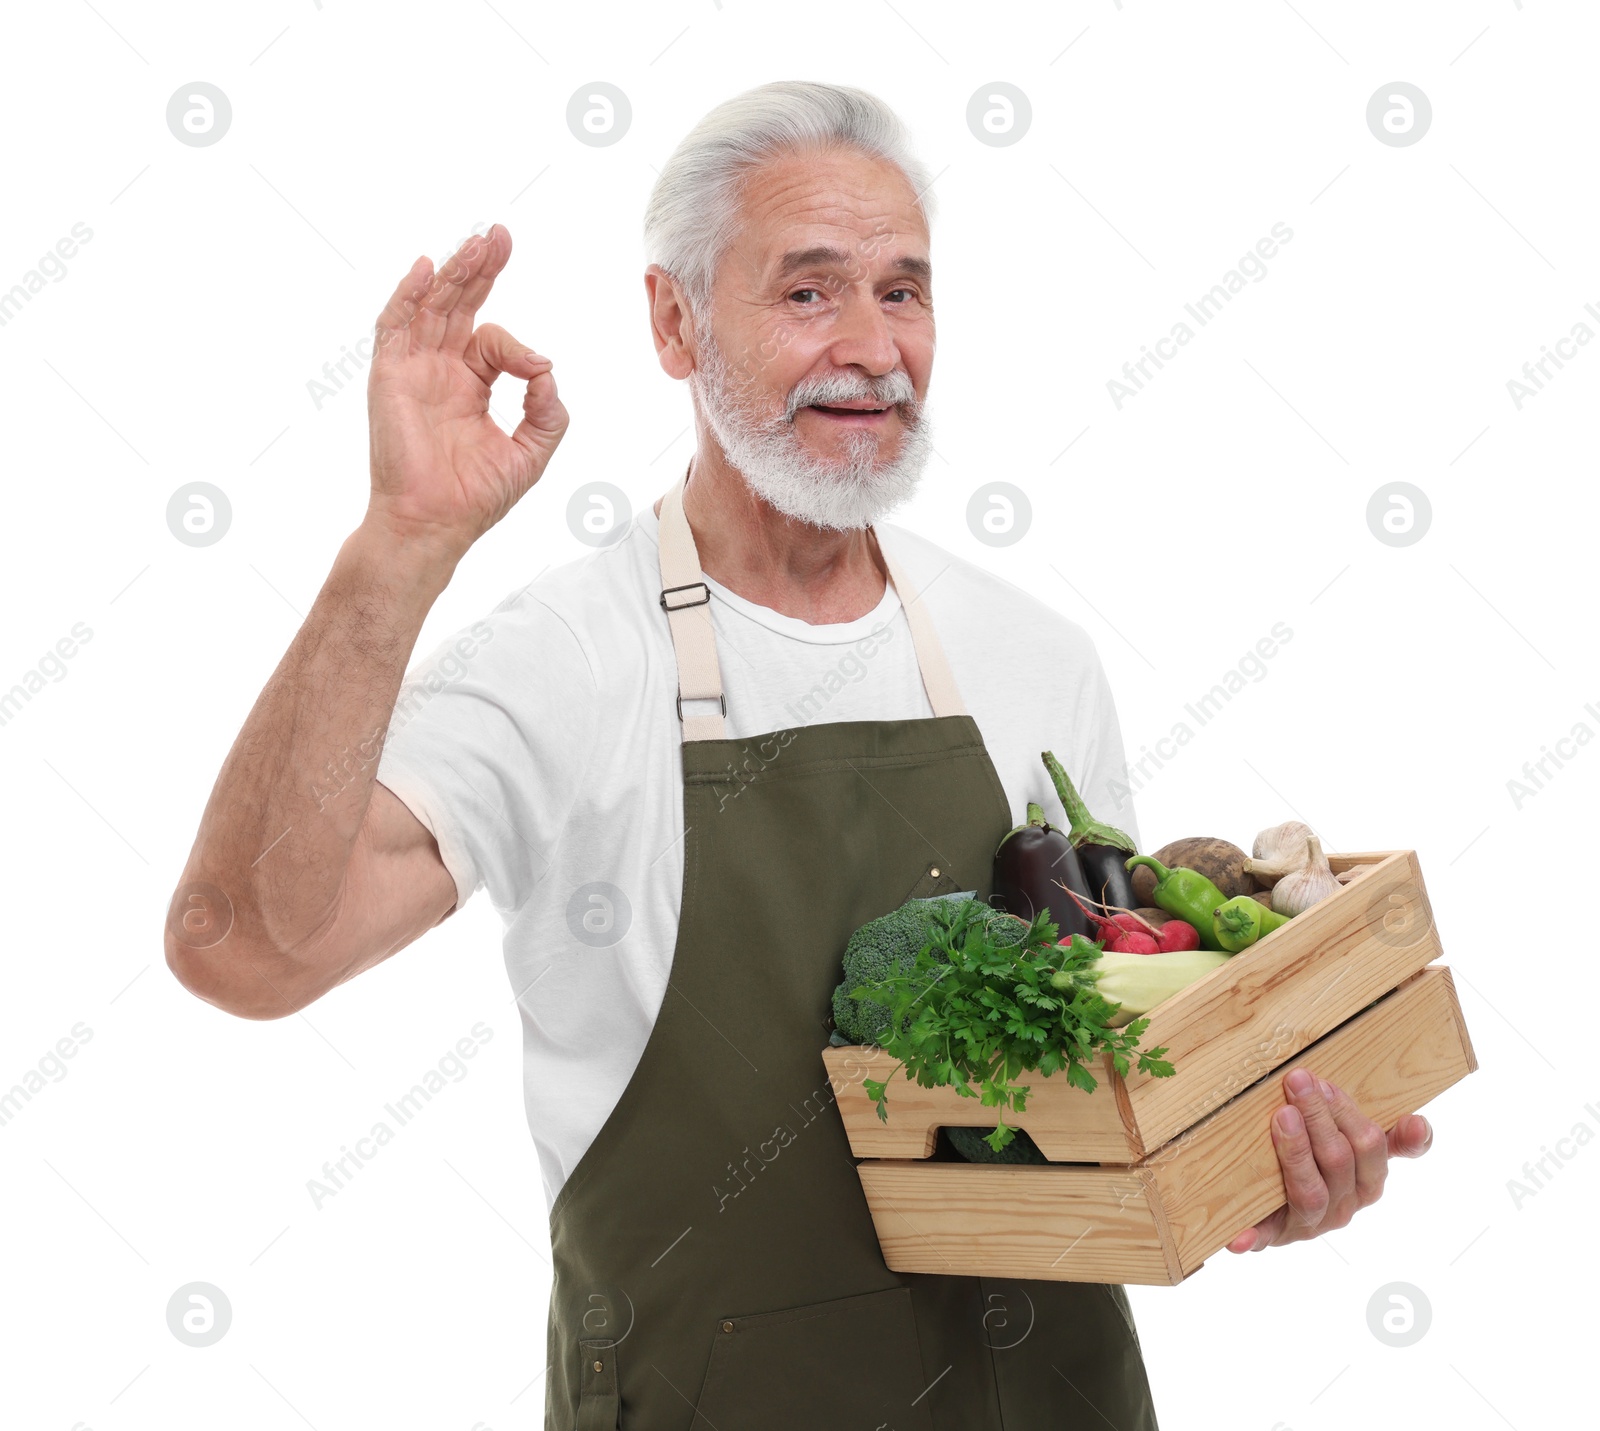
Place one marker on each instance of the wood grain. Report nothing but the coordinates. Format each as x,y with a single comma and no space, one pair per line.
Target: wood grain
1264,1005
1159,1220
1222,1175
1068,1124
1076,1224
1223,1033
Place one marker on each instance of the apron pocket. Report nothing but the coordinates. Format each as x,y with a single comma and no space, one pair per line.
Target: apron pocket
934,880
854,1359
599,1408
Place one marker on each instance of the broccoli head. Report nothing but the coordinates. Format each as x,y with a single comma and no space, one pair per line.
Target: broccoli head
881,947
890,945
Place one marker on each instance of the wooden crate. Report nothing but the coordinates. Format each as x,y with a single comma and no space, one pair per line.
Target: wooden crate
1158,1220
1149,1177
1223,1033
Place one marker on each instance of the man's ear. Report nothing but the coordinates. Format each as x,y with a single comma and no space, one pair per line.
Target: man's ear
670,324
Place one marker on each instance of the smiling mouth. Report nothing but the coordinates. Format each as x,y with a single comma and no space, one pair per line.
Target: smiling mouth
860,413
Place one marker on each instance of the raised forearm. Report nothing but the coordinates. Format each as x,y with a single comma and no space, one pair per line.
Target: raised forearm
278,832
299,879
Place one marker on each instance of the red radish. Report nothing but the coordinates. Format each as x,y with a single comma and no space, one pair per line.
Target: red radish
1105,930
1135,942
1177,934
1125,932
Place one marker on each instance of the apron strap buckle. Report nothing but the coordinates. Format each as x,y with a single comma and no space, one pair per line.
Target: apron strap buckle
669,607
721,699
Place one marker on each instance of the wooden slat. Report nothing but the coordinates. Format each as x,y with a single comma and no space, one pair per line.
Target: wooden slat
1222,1033
1339,863
1257,1011
1077,1224
1461,1028
1068,1124
1157,1222
1222,1175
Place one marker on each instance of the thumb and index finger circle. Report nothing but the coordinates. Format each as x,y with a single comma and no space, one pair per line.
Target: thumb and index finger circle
492,351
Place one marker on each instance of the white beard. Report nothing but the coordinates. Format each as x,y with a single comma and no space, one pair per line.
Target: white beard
837,495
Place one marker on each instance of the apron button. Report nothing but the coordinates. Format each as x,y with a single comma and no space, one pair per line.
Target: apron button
599,1366
934,872
727,1326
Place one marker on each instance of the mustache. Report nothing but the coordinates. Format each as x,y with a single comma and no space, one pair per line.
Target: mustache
892,390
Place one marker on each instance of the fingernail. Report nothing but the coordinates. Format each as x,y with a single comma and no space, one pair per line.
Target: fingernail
1299,1083
1327,1089
1289,1121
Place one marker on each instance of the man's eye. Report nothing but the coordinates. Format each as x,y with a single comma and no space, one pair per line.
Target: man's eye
908,295
815,292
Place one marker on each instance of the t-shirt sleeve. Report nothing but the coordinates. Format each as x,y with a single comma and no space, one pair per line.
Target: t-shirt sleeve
491,735
1105,788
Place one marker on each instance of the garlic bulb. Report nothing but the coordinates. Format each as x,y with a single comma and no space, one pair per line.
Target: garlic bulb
1278,851
1301,888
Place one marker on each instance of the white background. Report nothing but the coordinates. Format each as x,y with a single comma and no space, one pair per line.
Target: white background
1229,495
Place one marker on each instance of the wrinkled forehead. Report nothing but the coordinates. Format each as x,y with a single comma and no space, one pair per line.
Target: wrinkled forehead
843,214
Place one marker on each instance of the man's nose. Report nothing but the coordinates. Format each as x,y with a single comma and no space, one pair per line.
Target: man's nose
862,337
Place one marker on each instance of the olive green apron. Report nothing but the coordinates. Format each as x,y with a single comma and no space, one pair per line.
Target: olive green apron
716,1267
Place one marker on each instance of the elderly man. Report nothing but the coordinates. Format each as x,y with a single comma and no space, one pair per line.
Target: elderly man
685,768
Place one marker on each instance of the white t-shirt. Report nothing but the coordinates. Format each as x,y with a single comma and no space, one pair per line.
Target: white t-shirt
541,747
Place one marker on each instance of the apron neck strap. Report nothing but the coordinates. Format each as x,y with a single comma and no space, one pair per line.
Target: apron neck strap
687,601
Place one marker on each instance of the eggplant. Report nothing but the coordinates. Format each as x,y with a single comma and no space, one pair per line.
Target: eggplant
1102,849
1109,881
1027,865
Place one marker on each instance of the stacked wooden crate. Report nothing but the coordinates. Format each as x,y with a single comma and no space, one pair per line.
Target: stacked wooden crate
1148,1177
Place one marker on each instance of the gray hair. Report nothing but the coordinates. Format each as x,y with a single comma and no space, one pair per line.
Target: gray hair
691,217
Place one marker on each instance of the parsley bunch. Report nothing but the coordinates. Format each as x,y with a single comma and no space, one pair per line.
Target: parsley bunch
971,1010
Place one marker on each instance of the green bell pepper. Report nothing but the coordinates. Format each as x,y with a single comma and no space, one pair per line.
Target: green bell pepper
1188,894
